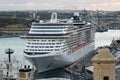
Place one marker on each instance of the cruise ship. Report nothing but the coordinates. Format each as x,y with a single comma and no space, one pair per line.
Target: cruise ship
58,43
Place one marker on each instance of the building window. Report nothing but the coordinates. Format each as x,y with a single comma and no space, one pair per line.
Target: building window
106,78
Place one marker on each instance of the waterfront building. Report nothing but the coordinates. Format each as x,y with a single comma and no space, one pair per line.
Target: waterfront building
104,65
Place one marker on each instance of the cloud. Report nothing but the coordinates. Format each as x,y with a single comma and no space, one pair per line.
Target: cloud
11,5
107,6
26,4
30,4
59,4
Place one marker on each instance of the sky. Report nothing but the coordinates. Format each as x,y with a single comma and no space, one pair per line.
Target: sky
107,5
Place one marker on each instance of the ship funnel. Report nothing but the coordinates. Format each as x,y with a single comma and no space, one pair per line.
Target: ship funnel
76,16
53,17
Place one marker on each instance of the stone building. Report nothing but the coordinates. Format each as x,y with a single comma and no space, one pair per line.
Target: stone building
104,65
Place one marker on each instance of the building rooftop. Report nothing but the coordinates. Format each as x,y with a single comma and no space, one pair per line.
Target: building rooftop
104,55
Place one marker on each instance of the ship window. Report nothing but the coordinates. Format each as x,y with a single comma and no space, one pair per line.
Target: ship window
40,43
31,49
37,43
47,46
57,46
53,40
56,49
46,31
43,40
26,49
51,46
36,46
32,46
29,43
53,43
48,24
50,49
48,27
58,43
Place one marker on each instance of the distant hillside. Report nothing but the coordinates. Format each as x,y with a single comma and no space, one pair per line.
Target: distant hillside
16,29
18,22
10,21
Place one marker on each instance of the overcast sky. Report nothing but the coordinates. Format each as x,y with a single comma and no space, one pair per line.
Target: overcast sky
109,5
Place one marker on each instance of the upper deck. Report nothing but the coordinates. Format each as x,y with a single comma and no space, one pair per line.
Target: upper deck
56,28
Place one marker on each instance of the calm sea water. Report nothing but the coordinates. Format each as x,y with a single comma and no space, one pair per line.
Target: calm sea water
105,38
101,39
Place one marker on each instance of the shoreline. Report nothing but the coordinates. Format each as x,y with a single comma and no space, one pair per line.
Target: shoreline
9,36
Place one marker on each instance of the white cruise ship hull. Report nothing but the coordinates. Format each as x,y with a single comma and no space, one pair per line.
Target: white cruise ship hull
55,60
58,43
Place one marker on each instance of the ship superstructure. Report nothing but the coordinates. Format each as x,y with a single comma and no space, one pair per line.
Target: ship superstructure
58,43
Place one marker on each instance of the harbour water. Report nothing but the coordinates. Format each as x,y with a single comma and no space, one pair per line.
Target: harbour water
105,38
101,39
